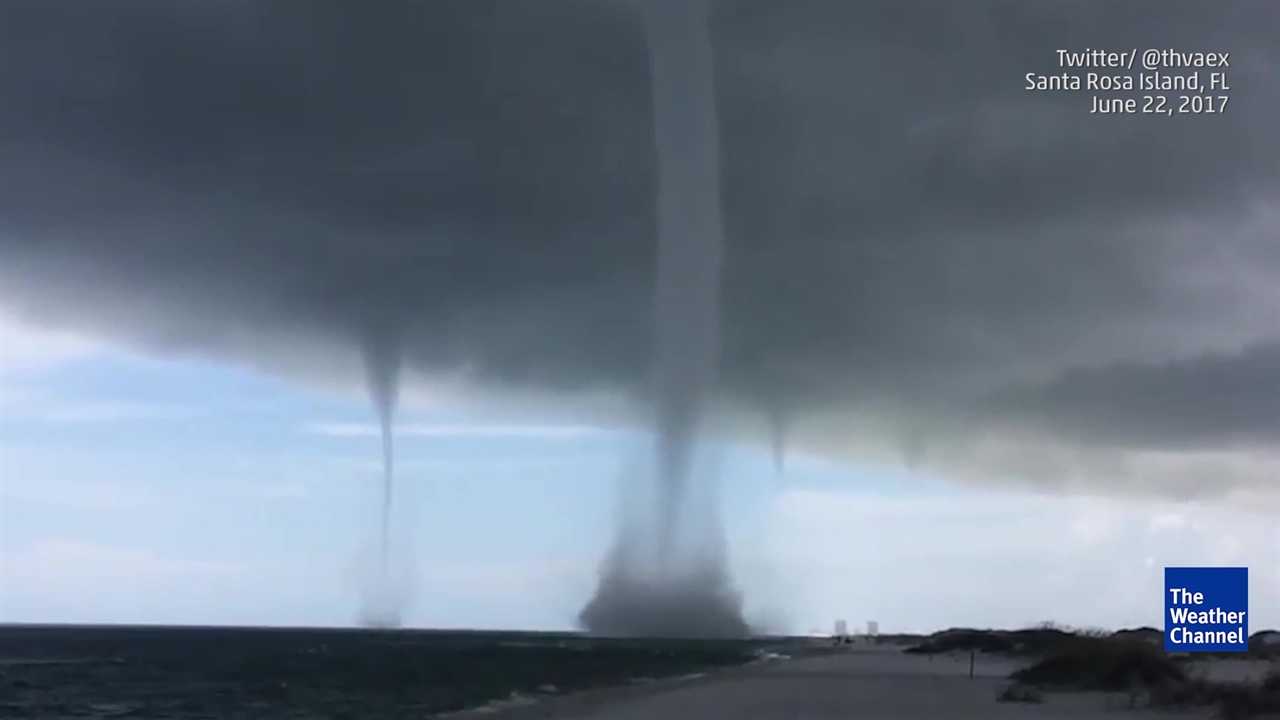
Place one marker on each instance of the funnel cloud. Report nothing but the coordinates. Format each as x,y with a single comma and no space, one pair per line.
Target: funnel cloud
382,367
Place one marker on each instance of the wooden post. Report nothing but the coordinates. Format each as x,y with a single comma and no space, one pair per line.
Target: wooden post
971,654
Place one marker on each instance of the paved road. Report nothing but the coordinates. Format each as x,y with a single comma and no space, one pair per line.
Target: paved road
870,684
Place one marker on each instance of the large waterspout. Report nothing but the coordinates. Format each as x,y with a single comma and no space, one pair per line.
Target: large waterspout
672,580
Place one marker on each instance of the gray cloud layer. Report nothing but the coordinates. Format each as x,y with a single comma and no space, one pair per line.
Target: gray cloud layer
920,256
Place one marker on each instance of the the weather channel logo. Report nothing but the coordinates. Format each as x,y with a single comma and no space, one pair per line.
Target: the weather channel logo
1206,609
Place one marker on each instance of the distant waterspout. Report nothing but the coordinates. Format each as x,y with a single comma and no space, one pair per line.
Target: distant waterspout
382,370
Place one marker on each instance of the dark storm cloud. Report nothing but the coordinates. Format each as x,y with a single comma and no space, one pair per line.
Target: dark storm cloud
1216,401
916,249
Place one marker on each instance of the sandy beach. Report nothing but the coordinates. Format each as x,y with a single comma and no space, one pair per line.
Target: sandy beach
868,683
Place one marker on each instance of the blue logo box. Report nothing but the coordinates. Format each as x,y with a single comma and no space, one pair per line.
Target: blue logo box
1206,609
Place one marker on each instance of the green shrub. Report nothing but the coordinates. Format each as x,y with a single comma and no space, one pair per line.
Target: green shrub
1090,663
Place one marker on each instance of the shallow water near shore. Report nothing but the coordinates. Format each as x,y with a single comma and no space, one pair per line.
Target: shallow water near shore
186,672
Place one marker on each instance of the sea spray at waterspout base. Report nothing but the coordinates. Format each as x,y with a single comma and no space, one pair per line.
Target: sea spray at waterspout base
666,573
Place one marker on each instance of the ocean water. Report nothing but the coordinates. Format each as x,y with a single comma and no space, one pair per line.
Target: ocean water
185,672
